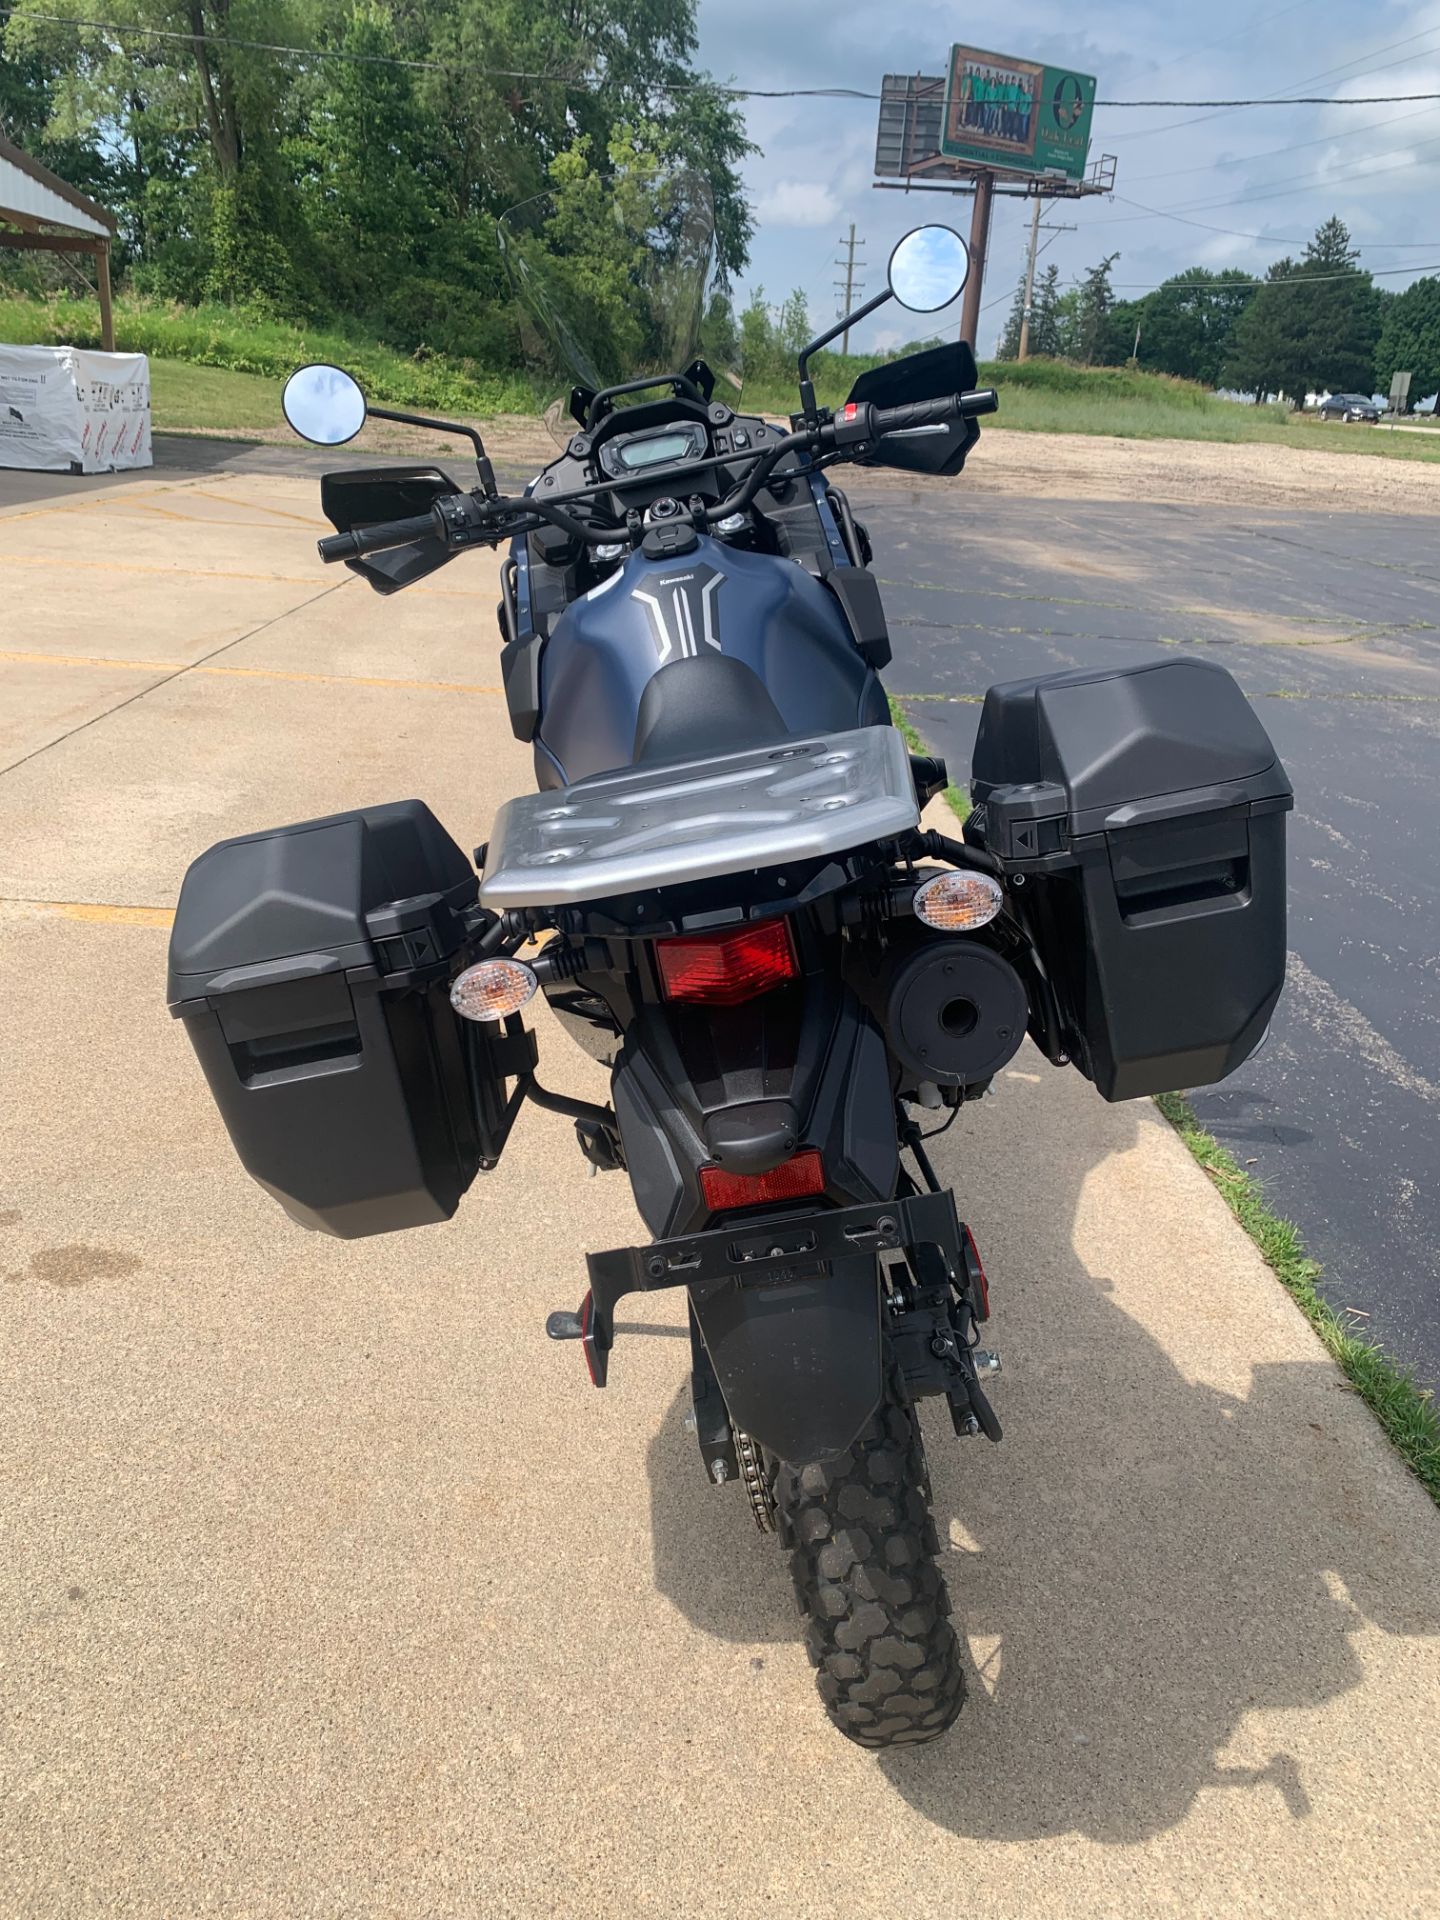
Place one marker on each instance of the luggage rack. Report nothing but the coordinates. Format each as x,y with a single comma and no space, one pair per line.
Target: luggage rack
654,826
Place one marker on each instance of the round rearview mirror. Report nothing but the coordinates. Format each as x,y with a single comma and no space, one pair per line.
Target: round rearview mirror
324,404
928,268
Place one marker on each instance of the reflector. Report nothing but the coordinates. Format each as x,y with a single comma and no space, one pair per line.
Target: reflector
979,1285
722,970
958,902
491,989
794,1179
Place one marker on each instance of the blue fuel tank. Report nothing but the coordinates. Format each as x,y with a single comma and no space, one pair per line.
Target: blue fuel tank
763,610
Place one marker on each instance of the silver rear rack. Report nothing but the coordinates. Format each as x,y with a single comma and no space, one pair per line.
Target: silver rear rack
644,827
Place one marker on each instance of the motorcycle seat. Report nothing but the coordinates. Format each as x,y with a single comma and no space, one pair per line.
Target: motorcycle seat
712,704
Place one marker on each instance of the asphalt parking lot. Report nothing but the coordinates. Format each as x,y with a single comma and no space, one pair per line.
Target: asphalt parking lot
1331,624
333,1589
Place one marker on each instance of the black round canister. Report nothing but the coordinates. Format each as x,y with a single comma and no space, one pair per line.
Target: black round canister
955,1012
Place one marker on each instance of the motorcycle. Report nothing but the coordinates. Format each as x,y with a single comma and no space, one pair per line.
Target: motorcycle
739,912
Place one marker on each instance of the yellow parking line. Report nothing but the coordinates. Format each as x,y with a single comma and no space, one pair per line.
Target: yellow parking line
259,506
165,513
247,673
348,679
96,913
68,563
89,660
87,505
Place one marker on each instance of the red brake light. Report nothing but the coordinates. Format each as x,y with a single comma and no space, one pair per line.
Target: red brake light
722,970
795,1179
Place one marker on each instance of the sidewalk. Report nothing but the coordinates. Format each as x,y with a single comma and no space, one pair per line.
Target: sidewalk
334,1589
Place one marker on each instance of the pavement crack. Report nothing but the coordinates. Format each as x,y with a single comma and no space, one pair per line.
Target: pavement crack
166,679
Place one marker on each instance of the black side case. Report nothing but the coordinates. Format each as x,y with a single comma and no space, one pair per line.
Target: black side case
311,967
1139,813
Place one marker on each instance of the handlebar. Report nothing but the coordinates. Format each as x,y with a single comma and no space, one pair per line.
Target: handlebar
470,519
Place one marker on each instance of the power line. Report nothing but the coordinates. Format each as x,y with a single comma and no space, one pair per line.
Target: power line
1288,188
572,78
1270,239
1294,146
1325,73
1285,280
1244,33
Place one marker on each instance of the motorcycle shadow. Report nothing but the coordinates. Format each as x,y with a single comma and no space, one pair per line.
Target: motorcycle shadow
1144,1561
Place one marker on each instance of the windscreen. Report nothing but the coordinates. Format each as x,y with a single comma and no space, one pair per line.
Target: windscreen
616,278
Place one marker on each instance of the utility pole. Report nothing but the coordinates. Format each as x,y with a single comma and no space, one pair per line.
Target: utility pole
1030,281
851,288
1035,250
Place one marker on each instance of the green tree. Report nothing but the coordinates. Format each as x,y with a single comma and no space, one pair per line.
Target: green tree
1410,340
1314,324
1046,329
1009,347
1087,318
1187,322
355,185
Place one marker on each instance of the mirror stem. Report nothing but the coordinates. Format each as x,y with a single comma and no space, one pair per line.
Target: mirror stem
482,459
807,390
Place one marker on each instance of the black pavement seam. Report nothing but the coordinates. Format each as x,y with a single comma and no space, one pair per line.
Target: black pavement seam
165,679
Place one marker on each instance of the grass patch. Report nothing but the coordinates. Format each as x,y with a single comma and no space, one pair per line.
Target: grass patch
211,399
1051,396
215,336
1404,1410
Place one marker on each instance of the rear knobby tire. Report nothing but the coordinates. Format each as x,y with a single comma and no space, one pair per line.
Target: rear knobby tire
862,1549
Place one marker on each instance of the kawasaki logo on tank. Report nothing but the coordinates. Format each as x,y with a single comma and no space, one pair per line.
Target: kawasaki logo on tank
684,612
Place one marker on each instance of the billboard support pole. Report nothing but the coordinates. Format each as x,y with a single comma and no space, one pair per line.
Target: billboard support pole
979,246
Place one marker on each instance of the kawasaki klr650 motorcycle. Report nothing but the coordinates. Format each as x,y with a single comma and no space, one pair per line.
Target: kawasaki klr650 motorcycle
739,912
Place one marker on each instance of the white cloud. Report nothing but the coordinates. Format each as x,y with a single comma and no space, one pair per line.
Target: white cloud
798,203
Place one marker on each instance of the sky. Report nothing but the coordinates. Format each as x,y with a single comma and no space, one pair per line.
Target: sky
1267,175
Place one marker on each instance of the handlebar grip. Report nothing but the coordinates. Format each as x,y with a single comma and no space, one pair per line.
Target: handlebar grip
934,413
919,413
386,533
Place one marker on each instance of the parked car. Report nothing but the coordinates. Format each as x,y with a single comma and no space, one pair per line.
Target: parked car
1349,406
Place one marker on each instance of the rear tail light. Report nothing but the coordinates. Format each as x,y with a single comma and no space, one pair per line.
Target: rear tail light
722,970
798,1178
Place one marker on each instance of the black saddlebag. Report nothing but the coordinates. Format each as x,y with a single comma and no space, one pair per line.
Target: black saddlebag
1139,813
311,967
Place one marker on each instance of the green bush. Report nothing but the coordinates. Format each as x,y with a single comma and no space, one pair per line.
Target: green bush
209,335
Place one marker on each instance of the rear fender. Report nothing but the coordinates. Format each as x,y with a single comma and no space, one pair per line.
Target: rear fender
798,1362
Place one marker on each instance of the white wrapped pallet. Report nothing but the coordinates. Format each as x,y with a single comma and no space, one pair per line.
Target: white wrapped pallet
72,409
115,408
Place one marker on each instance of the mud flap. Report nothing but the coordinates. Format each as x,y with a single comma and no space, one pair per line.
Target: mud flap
798,1362
789,1310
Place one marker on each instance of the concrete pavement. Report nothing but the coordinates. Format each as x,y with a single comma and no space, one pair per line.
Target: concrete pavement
333,1587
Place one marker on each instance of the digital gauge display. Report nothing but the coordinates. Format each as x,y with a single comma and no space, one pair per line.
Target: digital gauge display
659,452
640,453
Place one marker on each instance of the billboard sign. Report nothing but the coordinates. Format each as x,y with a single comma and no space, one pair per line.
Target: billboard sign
1016,116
